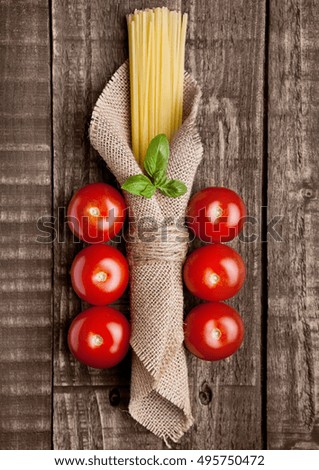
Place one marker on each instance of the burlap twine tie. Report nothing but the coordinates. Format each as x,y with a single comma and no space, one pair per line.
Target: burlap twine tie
156,248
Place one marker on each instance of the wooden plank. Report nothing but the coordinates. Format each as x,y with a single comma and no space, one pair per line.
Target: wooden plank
25,174
89,44
225,46
91,422
293,333
81,57
226,54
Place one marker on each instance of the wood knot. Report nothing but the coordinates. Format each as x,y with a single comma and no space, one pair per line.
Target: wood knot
205,394
114,397
308,193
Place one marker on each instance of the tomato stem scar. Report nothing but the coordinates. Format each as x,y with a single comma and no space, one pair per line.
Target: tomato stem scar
214,278
101,276
97,340
94,211
219,212
216,333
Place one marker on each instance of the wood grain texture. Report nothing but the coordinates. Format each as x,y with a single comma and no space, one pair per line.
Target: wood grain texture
225,46
293,333
90,421
89,44
225,53
25,174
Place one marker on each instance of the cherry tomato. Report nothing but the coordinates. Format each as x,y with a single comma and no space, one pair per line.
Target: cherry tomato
213,331
214,272
96,213
216,214
99,337
99,274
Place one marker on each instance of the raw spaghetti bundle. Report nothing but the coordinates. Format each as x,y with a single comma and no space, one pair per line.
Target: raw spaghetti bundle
157,50
159,384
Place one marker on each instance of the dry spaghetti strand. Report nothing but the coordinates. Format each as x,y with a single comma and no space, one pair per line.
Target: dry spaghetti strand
157,51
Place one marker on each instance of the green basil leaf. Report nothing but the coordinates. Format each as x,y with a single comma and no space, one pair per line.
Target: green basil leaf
160,179
156,159
140,185
173,188
155,164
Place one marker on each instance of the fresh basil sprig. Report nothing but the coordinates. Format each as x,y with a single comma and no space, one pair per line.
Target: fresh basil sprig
155,165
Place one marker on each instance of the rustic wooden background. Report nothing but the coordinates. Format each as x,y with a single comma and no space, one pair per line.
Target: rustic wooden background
258,65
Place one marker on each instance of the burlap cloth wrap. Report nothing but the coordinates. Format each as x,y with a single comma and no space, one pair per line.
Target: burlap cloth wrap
159,386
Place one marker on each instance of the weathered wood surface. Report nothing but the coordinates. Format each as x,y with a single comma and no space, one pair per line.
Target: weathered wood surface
260,87
225,46
293,184
25,173
89,44
231,125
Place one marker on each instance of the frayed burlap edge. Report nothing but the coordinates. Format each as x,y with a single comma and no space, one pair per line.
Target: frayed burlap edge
159,386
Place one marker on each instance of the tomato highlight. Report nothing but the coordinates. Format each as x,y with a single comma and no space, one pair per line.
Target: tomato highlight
214,272
99,337
99,274
216,214
96,213
213,331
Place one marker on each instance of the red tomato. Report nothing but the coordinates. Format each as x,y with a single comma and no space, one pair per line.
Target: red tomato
99,274
96,213
99,337
216,214
213,331
214,272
